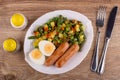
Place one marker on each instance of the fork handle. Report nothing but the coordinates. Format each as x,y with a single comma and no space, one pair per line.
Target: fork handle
101,65
94,63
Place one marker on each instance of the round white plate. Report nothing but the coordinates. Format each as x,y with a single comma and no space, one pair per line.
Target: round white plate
74,60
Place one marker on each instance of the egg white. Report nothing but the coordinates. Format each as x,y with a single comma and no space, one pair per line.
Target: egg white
42,45
39,61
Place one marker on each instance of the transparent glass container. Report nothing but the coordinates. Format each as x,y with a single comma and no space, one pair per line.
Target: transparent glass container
11,45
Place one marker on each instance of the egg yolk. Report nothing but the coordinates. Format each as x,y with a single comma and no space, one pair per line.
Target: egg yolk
48,48
9,45
17,19
36,54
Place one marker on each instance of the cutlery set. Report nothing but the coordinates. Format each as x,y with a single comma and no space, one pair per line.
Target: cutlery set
99,68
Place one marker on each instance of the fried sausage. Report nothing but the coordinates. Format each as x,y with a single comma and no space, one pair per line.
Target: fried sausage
57,54
68,54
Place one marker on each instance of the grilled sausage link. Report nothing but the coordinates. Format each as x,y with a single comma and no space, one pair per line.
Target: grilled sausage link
57,54
68,54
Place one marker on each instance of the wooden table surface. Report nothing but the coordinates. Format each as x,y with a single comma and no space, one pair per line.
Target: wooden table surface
14,67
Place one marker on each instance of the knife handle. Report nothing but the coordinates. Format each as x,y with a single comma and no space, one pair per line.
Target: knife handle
94,63
101,65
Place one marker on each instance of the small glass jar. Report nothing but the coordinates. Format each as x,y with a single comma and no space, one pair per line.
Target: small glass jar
18,21
11,45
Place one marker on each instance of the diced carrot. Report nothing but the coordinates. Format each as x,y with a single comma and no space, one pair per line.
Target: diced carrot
46,35
73,21
77,28
62,28
57,33
73,29
46,27
36,33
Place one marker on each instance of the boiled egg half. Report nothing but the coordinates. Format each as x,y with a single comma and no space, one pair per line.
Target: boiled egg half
37,57
46,47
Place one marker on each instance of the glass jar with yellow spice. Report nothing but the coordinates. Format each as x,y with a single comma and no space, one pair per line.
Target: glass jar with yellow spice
18,21
11,45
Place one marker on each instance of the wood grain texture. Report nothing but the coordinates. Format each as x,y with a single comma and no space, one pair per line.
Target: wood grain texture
13,65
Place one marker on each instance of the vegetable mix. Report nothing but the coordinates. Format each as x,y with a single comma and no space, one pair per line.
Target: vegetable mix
59,29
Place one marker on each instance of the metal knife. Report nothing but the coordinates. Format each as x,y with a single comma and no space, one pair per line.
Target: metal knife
109,29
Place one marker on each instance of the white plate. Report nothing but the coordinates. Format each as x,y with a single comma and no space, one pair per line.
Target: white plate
77,58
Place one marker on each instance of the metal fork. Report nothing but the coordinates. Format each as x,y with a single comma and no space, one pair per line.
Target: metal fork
99,23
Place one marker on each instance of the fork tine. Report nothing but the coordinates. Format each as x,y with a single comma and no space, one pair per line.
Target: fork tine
101,12
104,12
101,15
98,13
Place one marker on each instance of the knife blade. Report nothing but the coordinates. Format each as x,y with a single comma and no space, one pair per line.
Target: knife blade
109,29
111,21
